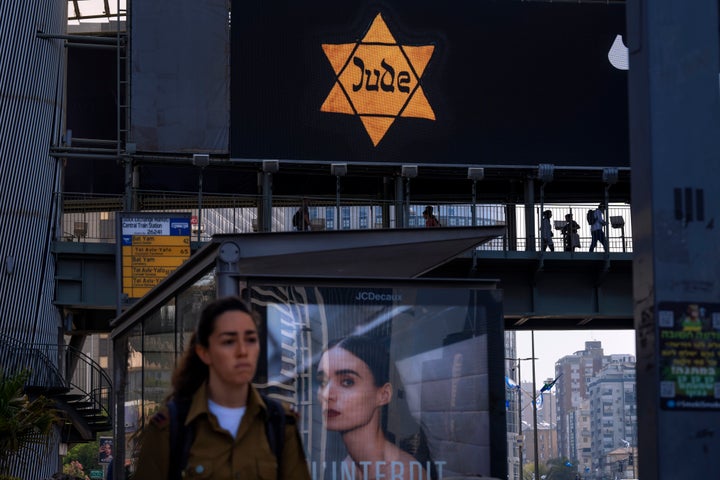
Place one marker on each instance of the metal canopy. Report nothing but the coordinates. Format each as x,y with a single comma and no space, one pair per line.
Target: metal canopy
396,253
387,253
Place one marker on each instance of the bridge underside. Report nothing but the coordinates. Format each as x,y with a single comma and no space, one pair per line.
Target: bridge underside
561,290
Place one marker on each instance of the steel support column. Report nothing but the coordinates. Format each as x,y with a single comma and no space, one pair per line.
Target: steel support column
674,124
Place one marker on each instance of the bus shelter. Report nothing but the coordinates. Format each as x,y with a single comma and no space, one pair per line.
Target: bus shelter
443,339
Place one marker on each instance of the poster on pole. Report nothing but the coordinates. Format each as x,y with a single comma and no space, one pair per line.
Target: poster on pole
105,450
689,348
412,370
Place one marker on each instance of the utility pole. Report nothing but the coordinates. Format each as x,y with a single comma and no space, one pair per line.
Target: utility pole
534,405
520,435
520,409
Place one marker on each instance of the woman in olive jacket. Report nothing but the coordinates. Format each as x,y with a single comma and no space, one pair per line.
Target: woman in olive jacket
227,414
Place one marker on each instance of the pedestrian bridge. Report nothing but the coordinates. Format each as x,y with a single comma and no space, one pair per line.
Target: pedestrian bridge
541,290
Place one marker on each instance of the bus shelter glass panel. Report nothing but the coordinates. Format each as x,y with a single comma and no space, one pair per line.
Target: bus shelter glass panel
421,363
190,303
158,355
134,413
151,350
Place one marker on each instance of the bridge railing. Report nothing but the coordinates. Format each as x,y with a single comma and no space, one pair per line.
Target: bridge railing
91,218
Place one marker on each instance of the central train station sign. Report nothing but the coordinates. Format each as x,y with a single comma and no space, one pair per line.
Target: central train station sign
152,247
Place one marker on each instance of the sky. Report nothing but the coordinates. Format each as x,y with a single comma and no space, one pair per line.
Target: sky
550,346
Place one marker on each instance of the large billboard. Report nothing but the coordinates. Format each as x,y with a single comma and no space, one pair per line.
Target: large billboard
179,100
426,82
417,367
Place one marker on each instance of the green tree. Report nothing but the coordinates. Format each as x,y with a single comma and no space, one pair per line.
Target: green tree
529,470
76,470
24,423
560,469
86,454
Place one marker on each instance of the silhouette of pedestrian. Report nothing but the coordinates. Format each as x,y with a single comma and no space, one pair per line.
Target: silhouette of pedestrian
597,229
430,219
546,233
571,239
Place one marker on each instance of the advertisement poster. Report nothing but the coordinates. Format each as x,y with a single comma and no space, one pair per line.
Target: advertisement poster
398,382
689,346
105,450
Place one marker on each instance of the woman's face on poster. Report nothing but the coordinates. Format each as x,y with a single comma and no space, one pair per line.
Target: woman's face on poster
347,391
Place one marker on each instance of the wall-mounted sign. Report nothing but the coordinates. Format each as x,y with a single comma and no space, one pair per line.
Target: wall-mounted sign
152,247
689,349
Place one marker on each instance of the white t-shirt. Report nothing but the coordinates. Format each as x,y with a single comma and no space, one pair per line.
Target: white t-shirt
229,418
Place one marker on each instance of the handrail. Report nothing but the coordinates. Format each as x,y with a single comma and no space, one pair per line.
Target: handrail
15,356
91,217
81,373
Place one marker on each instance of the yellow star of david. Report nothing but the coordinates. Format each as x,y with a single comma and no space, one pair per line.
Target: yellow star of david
378,80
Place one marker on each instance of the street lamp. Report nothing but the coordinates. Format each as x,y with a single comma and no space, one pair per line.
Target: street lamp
546,388
631,455
535,435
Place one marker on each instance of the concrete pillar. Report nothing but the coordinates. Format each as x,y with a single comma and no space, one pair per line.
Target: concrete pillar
674,108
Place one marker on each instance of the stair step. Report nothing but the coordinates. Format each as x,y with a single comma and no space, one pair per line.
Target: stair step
70,397
96,419
101,427
100,423
44,390
89,411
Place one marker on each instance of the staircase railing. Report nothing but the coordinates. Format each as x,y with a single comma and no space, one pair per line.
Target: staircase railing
58,369
16,356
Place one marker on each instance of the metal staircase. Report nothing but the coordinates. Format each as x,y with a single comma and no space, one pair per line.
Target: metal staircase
79,387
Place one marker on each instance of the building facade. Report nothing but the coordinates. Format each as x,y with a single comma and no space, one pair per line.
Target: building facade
32,82
596,407
575,373
613,411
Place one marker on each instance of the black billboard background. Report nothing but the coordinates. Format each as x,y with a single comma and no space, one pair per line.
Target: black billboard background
91,113
511,83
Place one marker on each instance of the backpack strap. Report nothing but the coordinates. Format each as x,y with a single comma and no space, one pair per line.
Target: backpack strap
275,427
181,437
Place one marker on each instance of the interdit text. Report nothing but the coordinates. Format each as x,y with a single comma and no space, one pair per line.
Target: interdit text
376,470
